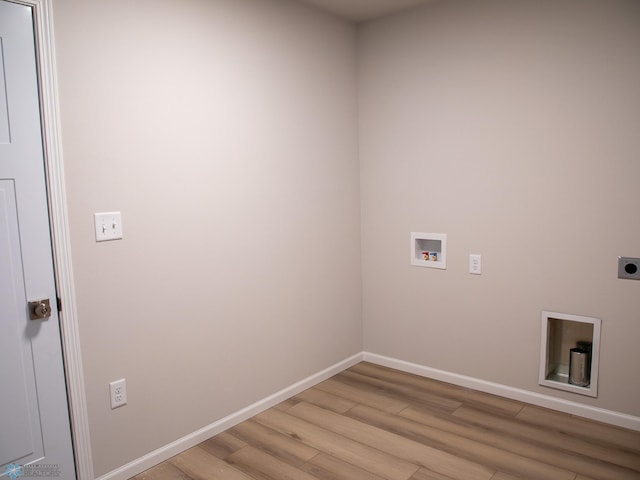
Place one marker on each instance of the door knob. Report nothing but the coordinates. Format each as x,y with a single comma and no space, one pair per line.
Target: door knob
40,309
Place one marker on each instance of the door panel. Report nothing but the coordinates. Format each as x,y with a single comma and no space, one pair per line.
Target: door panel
34,414
18,400
4,113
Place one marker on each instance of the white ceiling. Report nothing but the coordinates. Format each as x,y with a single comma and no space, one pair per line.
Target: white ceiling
362,10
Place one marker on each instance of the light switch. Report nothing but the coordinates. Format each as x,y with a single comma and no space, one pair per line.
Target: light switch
475,264
108,226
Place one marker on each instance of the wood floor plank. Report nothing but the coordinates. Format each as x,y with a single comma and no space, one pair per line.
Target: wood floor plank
397,445
364,397
275,443
596,432
375,461
508,429
481,400
527,447
262,466
163,471
412,394
222,445
325,400
505,476
424,474
460,446
326,467
201,465
284,406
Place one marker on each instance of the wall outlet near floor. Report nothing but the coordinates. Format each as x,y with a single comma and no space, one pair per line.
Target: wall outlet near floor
118,391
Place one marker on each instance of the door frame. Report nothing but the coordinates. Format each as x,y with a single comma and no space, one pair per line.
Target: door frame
54,170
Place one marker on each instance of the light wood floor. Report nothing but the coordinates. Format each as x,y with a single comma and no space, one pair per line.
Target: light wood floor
372,423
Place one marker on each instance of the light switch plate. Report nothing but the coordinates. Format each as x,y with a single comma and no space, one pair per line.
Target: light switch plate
475,264
108,226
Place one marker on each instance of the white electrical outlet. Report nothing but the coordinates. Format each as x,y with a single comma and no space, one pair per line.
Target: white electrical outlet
475,264
118,391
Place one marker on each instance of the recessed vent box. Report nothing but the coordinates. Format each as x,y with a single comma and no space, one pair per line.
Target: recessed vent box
568,339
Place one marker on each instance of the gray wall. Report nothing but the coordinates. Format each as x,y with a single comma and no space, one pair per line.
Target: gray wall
225,132
514,127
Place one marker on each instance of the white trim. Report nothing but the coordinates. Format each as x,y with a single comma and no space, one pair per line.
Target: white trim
561,405
52,144
164,453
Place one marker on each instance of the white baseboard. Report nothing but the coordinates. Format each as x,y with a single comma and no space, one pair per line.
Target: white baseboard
164,453
561,405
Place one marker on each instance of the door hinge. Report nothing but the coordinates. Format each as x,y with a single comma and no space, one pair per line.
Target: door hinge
59,304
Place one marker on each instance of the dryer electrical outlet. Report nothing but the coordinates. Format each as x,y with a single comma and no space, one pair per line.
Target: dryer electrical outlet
629,267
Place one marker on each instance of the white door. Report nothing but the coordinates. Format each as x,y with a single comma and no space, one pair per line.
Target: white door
35,437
